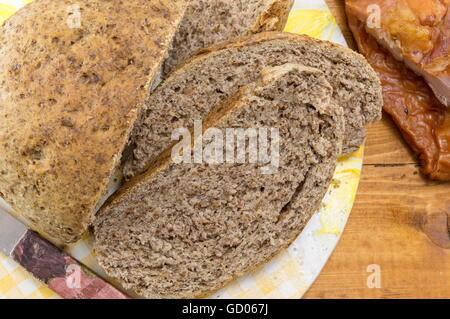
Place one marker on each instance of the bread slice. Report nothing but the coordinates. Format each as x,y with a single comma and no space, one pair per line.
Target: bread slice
207,22
72,78
218,72
184,230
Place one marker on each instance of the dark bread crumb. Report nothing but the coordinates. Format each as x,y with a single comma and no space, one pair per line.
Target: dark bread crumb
207,22
184,230
219,72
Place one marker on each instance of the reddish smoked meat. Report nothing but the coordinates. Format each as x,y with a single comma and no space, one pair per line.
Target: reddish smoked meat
416,32
423,121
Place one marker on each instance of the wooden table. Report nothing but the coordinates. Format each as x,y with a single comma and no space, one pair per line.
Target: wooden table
400,221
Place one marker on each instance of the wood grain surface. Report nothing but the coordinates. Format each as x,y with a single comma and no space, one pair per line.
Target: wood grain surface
400,222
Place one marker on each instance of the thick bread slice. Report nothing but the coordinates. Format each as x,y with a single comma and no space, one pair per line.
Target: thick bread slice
218,72
207,22
72,78
184,230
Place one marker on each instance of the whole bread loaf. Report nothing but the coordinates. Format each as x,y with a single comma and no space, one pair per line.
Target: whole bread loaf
184,230
219,71
73,75
207,22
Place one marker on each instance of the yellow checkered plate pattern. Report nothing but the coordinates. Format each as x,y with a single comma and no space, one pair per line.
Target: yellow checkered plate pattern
294,270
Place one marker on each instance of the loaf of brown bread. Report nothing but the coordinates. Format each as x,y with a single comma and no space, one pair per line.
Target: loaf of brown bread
184,230
207,22
73,75
218,72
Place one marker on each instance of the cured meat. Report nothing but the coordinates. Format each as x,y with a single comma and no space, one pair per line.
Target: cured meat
416,32
423,121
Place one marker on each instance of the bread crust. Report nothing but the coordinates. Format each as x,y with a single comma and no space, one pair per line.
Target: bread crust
69,97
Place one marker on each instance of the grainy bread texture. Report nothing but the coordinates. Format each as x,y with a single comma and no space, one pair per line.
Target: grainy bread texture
69,97
207,22
184,230
218,72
